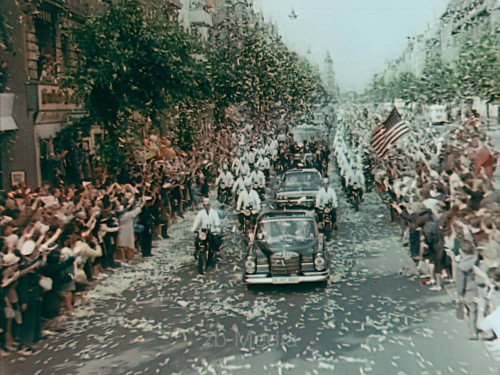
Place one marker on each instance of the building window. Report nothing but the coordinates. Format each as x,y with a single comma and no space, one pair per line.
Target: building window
46,38
65,51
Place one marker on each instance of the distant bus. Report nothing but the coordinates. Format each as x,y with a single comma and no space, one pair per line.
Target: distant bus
307,133
438,114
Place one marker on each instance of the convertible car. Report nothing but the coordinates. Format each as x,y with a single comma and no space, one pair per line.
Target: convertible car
298,188
286,248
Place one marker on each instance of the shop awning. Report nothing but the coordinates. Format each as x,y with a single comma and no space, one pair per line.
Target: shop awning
7,123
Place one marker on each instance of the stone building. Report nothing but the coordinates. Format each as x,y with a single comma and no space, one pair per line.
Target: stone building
42,52
35,107
462,20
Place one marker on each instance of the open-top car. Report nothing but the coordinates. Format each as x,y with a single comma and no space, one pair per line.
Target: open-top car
298,188
286,248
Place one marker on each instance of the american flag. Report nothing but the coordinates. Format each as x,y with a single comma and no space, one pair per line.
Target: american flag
388,133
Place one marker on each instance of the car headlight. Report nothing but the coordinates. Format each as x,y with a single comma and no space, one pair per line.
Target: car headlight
319,262
250,265
203,236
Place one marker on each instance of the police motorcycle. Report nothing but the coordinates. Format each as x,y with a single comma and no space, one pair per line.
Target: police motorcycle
249,219
206,251
327,219
224,194
354,196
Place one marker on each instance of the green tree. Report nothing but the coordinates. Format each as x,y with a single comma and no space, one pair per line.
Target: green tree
478,66
251,67
131,64
438,83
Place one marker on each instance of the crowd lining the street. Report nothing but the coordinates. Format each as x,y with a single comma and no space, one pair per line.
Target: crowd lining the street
438,186
57,241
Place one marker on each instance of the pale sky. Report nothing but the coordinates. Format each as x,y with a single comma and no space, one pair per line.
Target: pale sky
360,34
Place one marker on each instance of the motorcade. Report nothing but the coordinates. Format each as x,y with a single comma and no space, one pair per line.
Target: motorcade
298,188
286,248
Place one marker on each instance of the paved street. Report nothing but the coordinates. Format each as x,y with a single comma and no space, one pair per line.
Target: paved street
159,317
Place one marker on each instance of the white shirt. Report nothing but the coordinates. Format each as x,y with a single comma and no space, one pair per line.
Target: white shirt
434,205
325,196
356,176
244,169
258,178
250,157
203,220
226,177
263,163
455,183
236,165
246,199
239,185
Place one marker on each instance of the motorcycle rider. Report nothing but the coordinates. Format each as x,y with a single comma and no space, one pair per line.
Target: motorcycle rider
355,177
239,186
247,197
258,177
325,196
250,157
207,218
245,167
225,177
264,164
237,164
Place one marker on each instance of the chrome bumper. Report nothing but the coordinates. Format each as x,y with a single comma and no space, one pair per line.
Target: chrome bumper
306,277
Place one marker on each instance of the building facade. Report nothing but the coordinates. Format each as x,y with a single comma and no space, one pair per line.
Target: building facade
42,52
35,107
462,20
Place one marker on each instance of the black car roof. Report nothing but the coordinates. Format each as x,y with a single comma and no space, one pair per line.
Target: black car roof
286,214
302,170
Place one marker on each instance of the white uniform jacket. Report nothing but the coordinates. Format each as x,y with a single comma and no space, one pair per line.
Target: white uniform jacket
258,178
239,185
226,177
246,199
206,219
325,196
